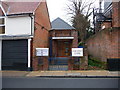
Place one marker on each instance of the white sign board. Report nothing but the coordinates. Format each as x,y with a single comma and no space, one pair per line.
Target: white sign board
77,52
42,51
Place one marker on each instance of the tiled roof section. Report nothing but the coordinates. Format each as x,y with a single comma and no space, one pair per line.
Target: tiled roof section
1,12
59,24
19,7
5,6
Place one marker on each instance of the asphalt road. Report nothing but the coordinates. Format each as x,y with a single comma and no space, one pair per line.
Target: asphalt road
37,82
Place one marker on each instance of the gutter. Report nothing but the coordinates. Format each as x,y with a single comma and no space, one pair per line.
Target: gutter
19,14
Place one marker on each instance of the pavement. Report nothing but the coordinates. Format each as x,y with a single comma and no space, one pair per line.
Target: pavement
14,73
88,73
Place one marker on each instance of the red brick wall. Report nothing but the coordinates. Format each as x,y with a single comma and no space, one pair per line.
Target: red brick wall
116,14
104,44
66,33
75,40
107,24
40,39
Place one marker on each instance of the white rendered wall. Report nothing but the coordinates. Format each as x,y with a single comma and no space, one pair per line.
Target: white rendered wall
18,26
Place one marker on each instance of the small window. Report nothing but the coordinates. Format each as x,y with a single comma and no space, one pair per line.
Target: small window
2,29
1,20
2,25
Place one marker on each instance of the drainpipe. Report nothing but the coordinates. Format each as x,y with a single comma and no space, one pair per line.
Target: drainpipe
29,46
29,55
31,23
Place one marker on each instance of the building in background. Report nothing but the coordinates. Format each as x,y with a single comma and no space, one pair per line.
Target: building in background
105,43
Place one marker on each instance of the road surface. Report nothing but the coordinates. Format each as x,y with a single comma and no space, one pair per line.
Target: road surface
38,82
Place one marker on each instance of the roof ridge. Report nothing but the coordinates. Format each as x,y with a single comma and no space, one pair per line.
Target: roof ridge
59,23
66,22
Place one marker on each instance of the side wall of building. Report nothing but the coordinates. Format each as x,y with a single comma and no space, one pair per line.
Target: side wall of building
40,39
104,44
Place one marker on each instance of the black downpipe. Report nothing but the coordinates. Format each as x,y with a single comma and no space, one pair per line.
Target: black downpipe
50,41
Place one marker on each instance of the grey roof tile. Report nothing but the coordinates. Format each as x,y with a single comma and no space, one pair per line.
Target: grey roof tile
59,24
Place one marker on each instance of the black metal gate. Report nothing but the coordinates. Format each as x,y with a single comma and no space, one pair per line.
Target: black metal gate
58,63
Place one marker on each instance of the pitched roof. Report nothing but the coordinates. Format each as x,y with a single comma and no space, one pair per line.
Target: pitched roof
19,7
59,24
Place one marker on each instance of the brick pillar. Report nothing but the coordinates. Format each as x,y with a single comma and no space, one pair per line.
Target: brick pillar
116,14
40,66
45,63
35,64
84,60
70,63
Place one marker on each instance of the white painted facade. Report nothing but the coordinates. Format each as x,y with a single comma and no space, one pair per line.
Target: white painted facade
18,25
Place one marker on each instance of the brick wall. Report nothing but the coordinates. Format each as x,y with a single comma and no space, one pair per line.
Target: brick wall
104,44
40,39
116,14
66,33
75,40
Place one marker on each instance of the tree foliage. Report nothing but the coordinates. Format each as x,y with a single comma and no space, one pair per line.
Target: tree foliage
81,11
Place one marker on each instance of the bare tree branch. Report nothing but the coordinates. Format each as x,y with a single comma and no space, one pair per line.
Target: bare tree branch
80,18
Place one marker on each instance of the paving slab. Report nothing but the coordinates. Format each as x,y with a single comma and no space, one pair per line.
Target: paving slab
14,73
73,73
59,73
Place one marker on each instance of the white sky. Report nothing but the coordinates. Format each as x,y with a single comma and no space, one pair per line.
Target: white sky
57,8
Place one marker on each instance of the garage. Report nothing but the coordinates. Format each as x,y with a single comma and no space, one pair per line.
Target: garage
14,54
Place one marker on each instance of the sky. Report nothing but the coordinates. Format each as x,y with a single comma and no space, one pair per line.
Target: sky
58,8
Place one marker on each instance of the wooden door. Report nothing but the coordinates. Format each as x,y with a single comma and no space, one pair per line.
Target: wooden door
63,48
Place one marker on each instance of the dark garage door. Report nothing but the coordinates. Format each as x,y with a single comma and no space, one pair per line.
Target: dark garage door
14,54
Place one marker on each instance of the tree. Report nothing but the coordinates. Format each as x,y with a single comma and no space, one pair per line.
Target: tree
81,11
